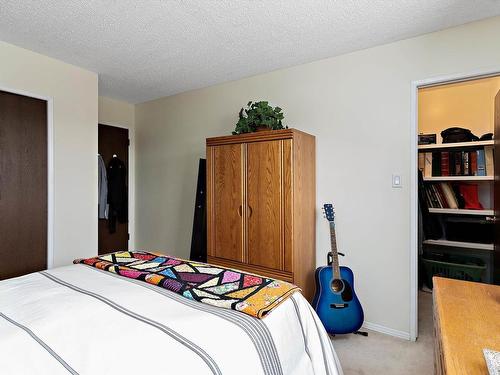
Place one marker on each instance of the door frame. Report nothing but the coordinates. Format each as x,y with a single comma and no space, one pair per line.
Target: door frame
50,166
415,86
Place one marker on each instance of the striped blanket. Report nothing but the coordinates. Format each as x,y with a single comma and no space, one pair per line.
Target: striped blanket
214,285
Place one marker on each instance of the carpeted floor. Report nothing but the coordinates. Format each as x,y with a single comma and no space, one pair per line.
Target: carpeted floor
383,354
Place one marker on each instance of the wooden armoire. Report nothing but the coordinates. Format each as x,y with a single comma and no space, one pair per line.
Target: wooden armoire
261,196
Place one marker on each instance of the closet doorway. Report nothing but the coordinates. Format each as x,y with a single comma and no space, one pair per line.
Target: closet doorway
23,185
113,148
455,193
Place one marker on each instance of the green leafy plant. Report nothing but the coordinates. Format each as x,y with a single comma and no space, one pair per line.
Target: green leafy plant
257,115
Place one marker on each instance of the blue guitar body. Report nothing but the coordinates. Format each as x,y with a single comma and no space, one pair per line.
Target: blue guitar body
335,301
339,312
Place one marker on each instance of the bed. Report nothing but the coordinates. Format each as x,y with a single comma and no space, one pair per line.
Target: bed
82,320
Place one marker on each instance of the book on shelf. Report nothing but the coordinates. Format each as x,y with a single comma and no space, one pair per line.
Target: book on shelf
488,156
465,163
481,163
434,198
428,164
436,163
451,166
473,162
421,162
428,199
457,163
451,195
470,194
442,198
445,163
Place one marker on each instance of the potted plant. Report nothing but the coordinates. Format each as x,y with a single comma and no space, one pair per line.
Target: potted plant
259,116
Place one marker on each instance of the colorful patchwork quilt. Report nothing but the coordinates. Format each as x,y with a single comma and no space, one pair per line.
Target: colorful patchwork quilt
215,285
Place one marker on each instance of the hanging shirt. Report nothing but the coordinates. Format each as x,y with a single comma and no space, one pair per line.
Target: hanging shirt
103,189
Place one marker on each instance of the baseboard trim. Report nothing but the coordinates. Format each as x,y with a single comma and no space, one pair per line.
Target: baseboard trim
387,330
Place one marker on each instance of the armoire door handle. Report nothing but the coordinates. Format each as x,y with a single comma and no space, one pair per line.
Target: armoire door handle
240,210
250,211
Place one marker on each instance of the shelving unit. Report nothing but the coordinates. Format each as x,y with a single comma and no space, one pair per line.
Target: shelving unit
457,181
464,245
459,178
440,146
445,218
458,211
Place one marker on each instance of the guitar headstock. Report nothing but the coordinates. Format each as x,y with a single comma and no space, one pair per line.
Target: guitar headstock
328,212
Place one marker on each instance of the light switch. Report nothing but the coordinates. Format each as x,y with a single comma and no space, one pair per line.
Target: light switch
396,181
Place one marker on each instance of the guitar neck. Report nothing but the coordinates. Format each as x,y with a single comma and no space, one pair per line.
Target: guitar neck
335,255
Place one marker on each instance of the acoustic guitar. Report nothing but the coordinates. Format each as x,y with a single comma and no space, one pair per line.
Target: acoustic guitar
335,301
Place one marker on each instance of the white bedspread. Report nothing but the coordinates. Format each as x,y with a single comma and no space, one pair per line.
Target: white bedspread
78,319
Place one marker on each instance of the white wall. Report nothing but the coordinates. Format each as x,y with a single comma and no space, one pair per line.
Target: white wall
74,96
122,114
358,106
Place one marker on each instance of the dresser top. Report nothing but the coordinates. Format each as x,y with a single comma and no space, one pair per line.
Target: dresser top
467,318
264,135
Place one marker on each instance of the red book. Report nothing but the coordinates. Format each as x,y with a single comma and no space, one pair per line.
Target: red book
445,163
473,163
470,194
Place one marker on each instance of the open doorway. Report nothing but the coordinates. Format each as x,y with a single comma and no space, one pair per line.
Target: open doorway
454,184
113,161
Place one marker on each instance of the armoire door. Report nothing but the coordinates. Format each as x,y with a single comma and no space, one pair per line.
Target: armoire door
265,204
23,185
226,237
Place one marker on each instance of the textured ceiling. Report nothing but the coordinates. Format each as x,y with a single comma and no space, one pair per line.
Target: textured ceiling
147,49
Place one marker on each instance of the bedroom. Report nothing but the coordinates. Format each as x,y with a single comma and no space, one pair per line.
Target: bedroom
175,75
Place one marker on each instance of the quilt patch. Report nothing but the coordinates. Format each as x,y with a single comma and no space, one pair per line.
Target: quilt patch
218,286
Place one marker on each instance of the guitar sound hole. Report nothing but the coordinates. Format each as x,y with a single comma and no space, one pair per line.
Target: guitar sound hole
337,285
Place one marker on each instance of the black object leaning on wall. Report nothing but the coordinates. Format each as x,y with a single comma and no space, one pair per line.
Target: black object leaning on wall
199,236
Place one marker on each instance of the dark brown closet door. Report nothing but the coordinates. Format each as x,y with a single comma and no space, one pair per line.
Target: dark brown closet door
113,141
23,185
496,155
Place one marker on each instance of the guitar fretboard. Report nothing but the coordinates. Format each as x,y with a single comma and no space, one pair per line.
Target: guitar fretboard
335,255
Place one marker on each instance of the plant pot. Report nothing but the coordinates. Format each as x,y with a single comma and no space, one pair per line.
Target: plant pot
261,128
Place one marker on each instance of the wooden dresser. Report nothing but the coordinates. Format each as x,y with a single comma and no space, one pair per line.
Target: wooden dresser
261,197
466,320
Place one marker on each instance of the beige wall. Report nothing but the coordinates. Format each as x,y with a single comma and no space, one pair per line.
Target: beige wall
469,105
74,96
122,114
358,105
